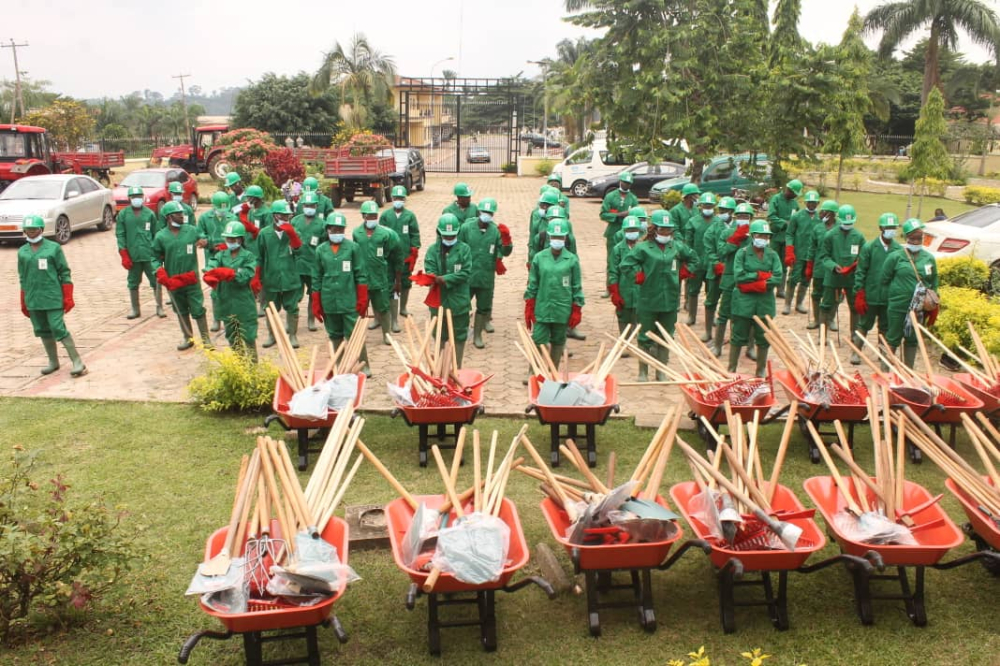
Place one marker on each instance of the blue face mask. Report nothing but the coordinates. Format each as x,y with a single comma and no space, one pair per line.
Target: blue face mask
557,244
914,247
398,205
448,242
724,217
485,218
178,198
707,212
136,202
309,212
336,239
37,239
742,223
664,240
632,235
760,243
889,233
371,224
233,245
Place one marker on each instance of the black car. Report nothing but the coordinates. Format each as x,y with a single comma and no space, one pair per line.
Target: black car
646,175
538,140
410,171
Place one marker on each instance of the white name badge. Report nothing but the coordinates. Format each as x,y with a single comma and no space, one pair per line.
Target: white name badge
854,249
346,267
190,248
147,226
406,228
458,267
378,252
927,269
566,281
43,264
673,265
492,247
314,241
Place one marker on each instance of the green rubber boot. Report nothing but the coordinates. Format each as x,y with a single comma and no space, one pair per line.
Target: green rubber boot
158,296
375,322
832,323
663,355
787,310
556,351
404,298
459,353
78,369
383,322
216,323
800,298
292,326
270,342
133,297
310,319
478,327
814,318
709,321
261,305
752,348
574,334
692,309
734,357
394,315
206,339
50,351
762,360
488,326
363,357
909,354
186,333
719,339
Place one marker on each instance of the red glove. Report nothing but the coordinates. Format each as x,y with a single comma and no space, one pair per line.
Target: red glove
24,307
756,287
411,260
500,268
423,279
211,279
616,297
163,278
68,302
245,208
249,226
255,285
361,307
126,259
505,239
223,274
846,270
294,241
809,270
789,255
575,315
685,273
764,275
740,235
932,316
640,277
221,247
316,305
720,268
185,279
433,299
860,302
529,312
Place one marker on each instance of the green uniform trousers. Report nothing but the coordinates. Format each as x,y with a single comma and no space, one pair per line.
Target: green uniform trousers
339,326
484,299
48,323
648,320
798,273
460,322
284,300
894,333
188,301
135,274
307,283
548,334
240,329
379,299
627,316
693,284
726,285
741,329
876,314
833,295
713,291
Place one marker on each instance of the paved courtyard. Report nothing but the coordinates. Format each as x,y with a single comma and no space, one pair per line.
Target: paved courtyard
136,360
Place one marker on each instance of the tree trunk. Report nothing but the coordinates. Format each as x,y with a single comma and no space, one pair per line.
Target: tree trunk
932,74
840,173
909,201
920,202
697,166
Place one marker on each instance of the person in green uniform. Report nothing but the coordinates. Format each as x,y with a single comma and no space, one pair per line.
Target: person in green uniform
279,246
47,293
176,191
401,219
230,273
614,209
685,208
553,299
869,293
729,240
721,225
540,242
449,260
134,229
383,265
540,220
657,264
838,259
462,207
488,243
234,184
757,271
554,181
175,261
797,235
694,238
780,209
210,227
324,205
621,281
339,284
827,220
310,225
907,275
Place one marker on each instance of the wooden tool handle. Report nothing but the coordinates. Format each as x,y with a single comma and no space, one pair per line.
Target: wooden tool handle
387,475
715,474
581,464
754,491
844,490
779,459
570,509
446,479
431,580
275,497
244,495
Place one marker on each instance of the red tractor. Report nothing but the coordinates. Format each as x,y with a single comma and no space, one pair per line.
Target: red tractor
25,151
202,155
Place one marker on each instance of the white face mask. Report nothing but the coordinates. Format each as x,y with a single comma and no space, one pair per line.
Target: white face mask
622,189
664,240
398,205
336,239
760,243
309,212
136,202
889,233
485,217
371,224
914,247
707,212
233,245
724,217
742,223
448,242
846,227
557,244
632,235
37,239
279,233
178,198
175,225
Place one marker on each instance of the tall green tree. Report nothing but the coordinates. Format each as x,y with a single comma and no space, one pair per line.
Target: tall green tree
364,75
68,123
845,122
945,18
567,89
283,104
929,157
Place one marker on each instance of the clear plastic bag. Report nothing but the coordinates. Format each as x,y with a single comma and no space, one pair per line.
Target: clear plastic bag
230,601
234,577
401,395
311,402
474,550
423,527
343,391
704,508
316,568
874,528
642,530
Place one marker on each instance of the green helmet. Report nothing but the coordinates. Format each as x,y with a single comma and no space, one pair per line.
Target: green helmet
555,213
310,184
795,186
829,206
760,227
626,177
135,191
549,196
631,222
232,178
707,199
175,188
310,198
336,220
280,207
639,212
234,229
255,191
661,218
557,228
488,206
888,220
220,200
744,209
689,189
846,214
912,225
812,196
448,225
32,222
369,208
398,191
728,203
462,190
554,177
171,207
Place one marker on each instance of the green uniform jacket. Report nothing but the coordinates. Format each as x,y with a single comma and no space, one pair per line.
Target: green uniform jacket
746,265
540,241
726,252
312,232
336,276
800,231
661,290
134,232
261,218
234,201
839,249
679,215
901,280
486,249
624,276
234,297
556,285
178,254
537,219
189,218
614,203
405,225
278,269
382,256
815,247
715,230
323,208
472,212
42,274
868,276
211,225
694,238
779,214
455,267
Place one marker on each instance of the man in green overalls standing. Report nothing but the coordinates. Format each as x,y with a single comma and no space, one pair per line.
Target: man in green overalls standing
488,243
230,273
870,295
624,290
462,207
235,186
757,271
780,209
324,205
553,299
539,218
554,181
211,224
685,208
383,264
401,219
729,240
449,260
838,259
902,273
134,227
827,219
694,238
797,236
177,196
614,209
47,293
279,246
310,225
722,226
175,260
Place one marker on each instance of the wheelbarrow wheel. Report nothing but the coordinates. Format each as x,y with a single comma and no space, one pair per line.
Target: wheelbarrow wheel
916,456
862,596
705,435
813,455
595,624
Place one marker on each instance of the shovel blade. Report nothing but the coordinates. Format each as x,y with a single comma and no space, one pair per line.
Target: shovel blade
790,535
217,566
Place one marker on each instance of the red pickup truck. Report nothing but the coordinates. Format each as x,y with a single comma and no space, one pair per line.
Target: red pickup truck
25,151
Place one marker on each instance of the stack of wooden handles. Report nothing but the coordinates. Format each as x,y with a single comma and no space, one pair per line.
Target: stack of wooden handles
543,365
434,359
341,361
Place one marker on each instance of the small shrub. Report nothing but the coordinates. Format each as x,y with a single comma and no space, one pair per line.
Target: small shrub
964,272
544,168
271,191
283,165
366,143
980,196
233,382
670,198
508,167
247,149
935,188
959,306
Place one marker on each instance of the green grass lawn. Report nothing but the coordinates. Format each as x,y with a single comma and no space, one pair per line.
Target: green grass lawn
870,206
175,468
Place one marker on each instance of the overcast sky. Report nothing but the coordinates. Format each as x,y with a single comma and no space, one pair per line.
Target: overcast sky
112,47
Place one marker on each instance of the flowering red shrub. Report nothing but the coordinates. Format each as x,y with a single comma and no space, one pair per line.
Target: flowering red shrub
282,164
246,151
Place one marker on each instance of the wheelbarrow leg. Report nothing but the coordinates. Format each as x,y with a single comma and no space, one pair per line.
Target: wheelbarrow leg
727,600
303,437
312,646
488,619
648,613
862,593
915,600
433,626
422,453
593,613
253,648
554,443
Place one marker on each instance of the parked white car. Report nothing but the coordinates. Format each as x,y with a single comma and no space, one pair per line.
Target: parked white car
67,203
976,232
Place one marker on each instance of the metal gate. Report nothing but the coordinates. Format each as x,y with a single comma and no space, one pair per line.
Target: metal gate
461,125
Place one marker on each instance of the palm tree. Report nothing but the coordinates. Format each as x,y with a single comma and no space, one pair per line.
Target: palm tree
898,20
364,74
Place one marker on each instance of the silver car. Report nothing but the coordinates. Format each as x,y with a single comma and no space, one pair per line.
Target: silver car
67,203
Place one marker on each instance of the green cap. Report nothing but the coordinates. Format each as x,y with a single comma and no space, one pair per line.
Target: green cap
846,214
336,220
310,198
234,229
32,222
689,189
255,191
795,186
554,177
727,203
369,208
888,220
171,207
829,206
488,205
398,191
280,207
462,190
639,212
744,209
912,225
135,191
707,199
448,225
661,218
760,227
220,200
549,196
626,177
175,188
232,178
812,196
310,184
631,222
555,212
557,228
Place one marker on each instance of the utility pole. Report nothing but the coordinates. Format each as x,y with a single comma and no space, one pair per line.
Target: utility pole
18,93
187,123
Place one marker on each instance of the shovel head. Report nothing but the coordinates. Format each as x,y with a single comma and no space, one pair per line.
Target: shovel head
217,566
203,583
788,534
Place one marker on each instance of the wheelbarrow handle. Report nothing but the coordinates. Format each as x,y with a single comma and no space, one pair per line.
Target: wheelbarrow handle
529,409
192,641
275,417
536,580
338,629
